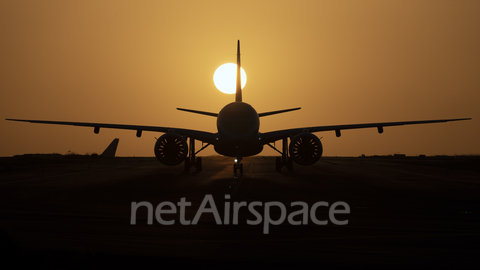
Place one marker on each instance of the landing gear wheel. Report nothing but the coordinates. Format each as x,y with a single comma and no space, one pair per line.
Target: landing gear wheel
187,164
241,168
290,164
278,164
198,164
235,168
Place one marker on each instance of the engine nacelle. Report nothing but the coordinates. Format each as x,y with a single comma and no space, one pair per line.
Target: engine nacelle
171,149
305,149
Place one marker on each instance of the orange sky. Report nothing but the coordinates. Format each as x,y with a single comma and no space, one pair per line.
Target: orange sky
343,62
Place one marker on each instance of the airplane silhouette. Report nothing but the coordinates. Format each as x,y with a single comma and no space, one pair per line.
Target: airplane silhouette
238,135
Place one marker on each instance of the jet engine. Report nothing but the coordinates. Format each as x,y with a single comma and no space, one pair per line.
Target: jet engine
305,148
171,149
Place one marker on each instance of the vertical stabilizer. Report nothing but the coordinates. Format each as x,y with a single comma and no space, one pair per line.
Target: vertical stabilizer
111,149
238,93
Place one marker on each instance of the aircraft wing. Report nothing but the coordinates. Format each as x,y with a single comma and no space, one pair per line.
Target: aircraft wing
280,134
203,136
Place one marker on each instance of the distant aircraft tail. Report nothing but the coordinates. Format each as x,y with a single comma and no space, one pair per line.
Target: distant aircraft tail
238,93
111,149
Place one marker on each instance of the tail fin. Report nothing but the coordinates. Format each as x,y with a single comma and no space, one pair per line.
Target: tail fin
238,93
111,149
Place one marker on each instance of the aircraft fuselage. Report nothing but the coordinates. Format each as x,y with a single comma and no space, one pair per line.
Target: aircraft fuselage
238,125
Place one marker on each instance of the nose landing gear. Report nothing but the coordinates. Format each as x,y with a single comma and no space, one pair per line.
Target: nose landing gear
238,166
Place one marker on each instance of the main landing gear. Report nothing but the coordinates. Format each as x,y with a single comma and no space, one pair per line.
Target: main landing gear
284,160
238,166
191,160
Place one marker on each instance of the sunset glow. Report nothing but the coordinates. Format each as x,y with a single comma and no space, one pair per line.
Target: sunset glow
343,62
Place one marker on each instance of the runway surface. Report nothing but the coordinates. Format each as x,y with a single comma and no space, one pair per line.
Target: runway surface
404,212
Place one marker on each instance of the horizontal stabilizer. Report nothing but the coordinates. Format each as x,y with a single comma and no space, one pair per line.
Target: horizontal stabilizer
199,112
276,112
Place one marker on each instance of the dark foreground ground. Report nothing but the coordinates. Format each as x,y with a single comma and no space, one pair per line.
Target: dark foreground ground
75,212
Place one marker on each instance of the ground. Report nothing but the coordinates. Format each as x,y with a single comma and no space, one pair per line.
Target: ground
75,212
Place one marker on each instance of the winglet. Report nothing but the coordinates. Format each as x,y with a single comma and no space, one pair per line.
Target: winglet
238,93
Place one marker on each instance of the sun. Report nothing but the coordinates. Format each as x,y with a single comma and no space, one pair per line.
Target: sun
225,78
